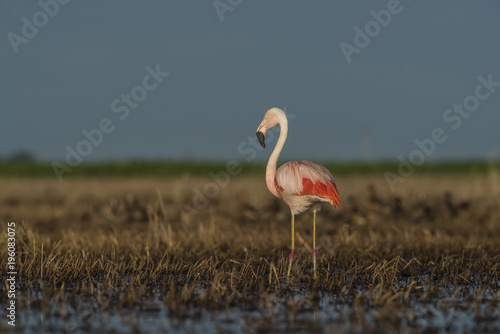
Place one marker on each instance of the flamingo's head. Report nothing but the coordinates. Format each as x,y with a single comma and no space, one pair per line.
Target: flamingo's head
271,119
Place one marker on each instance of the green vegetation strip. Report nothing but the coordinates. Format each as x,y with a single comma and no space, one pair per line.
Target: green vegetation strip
203,168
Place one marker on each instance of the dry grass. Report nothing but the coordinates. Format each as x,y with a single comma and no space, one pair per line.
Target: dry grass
118,245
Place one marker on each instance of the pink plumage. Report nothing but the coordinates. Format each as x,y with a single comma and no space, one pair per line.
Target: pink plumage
301,184
308,179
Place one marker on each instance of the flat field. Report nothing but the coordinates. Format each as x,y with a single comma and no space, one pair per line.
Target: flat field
188,255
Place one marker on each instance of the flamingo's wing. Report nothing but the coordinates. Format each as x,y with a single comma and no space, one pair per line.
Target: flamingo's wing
306,178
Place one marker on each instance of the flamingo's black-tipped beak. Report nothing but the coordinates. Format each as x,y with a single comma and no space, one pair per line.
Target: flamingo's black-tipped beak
262,139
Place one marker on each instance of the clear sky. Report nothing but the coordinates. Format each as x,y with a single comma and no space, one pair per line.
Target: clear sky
64,70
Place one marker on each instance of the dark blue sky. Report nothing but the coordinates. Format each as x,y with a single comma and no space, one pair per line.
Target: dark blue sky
224,75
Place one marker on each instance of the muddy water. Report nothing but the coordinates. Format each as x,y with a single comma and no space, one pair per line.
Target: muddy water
454,309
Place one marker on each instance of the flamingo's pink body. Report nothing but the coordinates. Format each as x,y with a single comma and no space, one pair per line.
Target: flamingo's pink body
304,184
301,184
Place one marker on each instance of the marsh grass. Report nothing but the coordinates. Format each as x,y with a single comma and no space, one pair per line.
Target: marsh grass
125,246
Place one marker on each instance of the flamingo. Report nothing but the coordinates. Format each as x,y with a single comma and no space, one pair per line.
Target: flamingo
300,184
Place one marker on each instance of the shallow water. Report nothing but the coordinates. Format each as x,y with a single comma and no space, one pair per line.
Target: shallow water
449,311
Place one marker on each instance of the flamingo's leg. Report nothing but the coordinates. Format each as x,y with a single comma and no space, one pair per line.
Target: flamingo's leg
292,253
314,245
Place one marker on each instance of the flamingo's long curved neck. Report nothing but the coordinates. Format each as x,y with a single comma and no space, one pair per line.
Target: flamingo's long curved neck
273,159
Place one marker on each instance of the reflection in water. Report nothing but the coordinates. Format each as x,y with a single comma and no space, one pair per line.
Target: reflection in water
472,309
